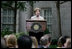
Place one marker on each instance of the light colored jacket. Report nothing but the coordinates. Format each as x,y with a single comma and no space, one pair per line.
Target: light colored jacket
37,18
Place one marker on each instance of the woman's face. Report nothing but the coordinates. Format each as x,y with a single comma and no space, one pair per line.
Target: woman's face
37,12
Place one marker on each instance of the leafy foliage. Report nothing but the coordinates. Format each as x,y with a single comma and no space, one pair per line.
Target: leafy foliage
19,5
19,34
47,31
5,32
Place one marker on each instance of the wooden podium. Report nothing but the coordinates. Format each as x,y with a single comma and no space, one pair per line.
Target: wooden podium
36,27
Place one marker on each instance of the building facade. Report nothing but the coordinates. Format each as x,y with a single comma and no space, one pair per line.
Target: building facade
48,11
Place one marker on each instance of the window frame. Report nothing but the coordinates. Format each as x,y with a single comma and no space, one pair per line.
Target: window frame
11,15
49,24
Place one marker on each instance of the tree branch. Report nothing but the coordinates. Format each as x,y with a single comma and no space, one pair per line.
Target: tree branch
63,2
7,6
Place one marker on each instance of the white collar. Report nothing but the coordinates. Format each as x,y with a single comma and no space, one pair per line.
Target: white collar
36,16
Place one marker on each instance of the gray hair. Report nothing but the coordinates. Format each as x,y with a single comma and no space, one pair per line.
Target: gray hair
45,39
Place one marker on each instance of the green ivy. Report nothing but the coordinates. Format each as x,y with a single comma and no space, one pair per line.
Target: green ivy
20,34
53,46
5,32
46,31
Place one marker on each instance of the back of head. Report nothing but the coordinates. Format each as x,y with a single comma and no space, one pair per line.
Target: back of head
11,41
62,40
5,37
24,42
68,43
45,39
34,42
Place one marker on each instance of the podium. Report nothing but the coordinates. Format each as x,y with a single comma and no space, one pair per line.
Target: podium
36,27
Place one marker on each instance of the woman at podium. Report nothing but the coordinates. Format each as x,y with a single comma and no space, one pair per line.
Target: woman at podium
37,15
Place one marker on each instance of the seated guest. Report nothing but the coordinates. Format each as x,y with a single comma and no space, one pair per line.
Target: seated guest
45,41
68,43
24,42
62,41
11,41
34,42
5,37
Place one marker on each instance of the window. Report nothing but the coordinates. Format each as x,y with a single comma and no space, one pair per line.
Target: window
10,27
7,19
47,14
4,19
4,12
3,26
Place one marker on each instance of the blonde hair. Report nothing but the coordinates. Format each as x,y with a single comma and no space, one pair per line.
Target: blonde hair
36,9
11,41
34,41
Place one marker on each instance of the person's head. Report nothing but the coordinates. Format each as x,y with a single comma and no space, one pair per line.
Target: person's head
5,37
37,11
11,41
24,41
62,40
68,43
45,40
3,43
34,42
